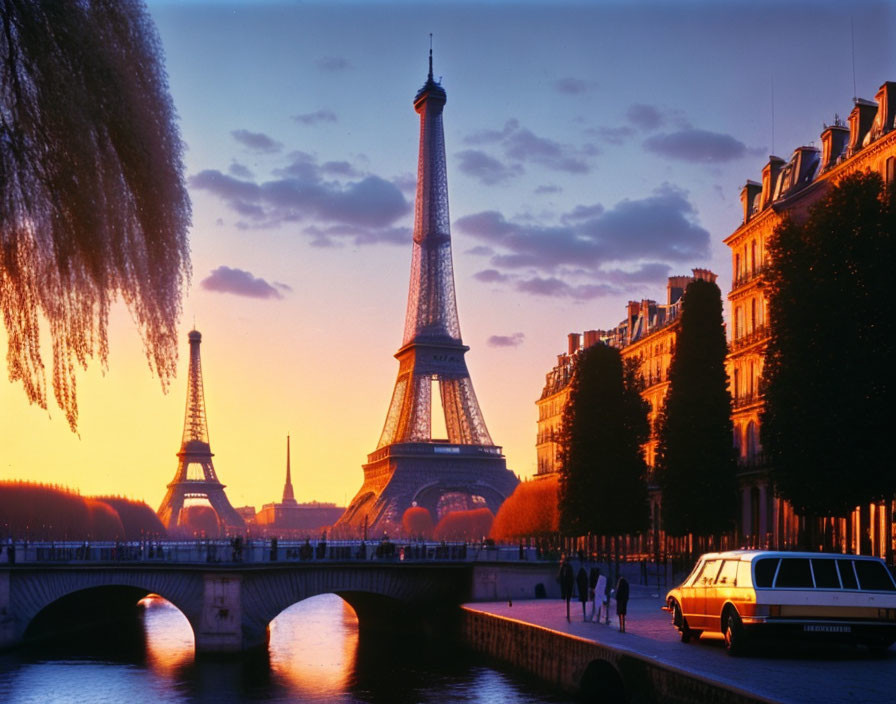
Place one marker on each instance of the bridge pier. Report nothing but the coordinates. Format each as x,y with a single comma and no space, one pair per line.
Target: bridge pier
221,627
8,635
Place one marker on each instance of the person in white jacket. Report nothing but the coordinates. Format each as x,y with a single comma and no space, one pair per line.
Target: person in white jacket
600,599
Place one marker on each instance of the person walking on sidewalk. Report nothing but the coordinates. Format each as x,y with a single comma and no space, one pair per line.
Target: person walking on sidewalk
621,602
601,598
566,579
582,586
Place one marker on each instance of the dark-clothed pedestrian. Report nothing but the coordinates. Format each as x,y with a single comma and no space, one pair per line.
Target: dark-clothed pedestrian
582,586
566,578
621,602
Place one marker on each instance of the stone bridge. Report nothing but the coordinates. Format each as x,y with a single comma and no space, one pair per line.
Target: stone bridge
230,606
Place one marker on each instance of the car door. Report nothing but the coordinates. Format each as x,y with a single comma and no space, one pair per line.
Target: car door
703,586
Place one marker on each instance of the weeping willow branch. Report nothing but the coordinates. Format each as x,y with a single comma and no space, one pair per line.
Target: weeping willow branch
93,205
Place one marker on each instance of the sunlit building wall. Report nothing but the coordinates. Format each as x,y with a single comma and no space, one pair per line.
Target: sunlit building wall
866,143
647,334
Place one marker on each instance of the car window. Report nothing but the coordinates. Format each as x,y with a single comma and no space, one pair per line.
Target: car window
847,576
765,571
874,576
825,572
708,576
743,574
794,573
728,573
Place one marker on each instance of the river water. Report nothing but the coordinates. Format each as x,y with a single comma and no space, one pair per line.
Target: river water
316,654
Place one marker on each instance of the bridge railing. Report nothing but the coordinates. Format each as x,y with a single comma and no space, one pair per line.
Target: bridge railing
239,551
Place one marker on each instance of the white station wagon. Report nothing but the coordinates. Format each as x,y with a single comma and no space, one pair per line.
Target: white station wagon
747,593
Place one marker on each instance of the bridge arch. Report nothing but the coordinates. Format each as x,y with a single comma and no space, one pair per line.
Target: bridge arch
47,601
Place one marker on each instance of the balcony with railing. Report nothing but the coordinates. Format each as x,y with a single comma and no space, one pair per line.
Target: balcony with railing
746,277
758,334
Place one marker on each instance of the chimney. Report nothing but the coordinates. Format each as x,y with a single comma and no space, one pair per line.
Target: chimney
704,275
886,110
748,196
833,143
573,343
592,337
769,177
860,121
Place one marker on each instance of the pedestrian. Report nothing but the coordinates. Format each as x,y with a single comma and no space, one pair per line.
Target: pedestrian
621,602
600,596
566,579
582,586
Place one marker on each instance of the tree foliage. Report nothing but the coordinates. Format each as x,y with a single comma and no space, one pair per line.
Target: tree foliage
92,200
416,521
472,524
29,510
828,372
531,510
696,461
603,488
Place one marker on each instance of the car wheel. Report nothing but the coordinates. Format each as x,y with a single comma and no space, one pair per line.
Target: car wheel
681,623
734,633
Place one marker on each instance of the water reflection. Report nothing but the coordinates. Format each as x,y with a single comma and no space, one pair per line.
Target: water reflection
168,635
316,654
314,644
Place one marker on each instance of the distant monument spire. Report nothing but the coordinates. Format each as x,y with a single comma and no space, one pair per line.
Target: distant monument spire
288,496
430,56
195,477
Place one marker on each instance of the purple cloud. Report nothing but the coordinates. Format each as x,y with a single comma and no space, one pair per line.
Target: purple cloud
514,340
590,250
256,141
486,169
571,86
556,288
315,118
521,145
239,170
696,145
332,201
241,283
547,190
645,117
332,64
490,276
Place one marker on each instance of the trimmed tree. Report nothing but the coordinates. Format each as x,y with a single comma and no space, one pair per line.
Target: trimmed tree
828,379
696,462
603,486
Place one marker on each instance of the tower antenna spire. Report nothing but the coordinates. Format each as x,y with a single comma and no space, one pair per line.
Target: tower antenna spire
430,56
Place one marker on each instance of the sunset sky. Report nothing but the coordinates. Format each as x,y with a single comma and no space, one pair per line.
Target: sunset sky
594,148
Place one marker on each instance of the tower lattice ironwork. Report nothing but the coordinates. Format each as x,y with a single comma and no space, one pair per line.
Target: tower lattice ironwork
195,477
409,466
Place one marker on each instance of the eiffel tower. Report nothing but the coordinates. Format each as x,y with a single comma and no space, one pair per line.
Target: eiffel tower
195,477
409,467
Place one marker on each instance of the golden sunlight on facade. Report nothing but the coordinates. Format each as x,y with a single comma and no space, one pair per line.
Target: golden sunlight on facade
647,334
789,188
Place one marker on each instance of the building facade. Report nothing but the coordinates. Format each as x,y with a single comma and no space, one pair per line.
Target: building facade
647,335
790,188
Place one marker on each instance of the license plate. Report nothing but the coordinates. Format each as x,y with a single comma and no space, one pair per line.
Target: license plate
825,628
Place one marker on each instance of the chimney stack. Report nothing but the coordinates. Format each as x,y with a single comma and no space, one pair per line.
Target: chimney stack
592,337
748,196
860,120
833,143
769,177
573,343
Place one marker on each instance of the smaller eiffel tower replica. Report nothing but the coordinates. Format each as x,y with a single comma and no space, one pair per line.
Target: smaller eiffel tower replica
195,477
